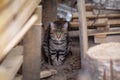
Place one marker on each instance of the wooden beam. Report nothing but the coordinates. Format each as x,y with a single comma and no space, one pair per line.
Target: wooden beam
18,77
31,64
20,34
100,38
12,8
104,11
49,12
97,22
38,12
32,53
113,38
4,3
106,38
89,7
21,18
17,37
92,32
82,28
114,22
90,14
10,66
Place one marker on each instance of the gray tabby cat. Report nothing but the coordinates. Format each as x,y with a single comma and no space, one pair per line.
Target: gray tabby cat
57,44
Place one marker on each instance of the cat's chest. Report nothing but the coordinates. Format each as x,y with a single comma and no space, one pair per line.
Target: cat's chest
55,46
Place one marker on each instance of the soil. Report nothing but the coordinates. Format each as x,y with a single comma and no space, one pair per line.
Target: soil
70,69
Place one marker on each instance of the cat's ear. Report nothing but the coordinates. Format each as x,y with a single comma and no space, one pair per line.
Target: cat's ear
66,25
52,25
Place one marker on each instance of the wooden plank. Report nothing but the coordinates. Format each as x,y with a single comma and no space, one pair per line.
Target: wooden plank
102,28
32,53
92,32
12,9
49,12
10,66
89,6
74,33
38,12
91,15
97,11
17,37
107,38
100,38
97,22
31,64
18,78
114,21
4,3
83,28
113,38
19,21
20,34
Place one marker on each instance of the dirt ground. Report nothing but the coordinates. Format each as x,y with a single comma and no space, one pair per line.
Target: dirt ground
69,70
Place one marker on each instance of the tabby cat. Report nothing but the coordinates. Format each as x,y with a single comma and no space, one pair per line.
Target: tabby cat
57,43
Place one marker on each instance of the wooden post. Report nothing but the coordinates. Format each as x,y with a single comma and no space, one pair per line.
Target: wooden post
31,64
32,52
49,12
82,28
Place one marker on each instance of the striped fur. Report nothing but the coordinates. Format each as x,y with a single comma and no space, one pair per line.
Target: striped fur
57,44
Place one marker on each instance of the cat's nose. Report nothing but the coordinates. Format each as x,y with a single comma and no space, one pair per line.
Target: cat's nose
58,39
58,35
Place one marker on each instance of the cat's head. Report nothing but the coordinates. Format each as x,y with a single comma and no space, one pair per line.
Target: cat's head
58,31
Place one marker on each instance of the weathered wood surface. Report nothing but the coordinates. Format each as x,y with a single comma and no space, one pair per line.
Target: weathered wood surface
31,64
94,32
90,14
17,37
98,22
43,74
21,16
3,3
102,62
12,8
20,34
32,51
10,66
106,38
82,28
9,10
49,12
